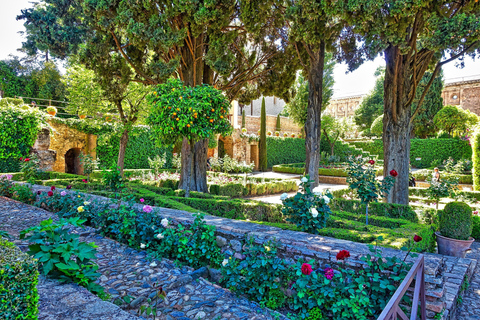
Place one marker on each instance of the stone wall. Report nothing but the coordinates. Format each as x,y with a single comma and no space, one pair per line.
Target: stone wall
53,143
286,124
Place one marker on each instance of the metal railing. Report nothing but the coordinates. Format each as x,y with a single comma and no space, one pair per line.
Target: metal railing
393,311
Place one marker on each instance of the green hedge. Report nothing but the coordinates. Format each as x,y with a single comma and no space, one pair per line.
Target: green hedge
476,160
476,227
424,174
426,149
141,145
390,210
18,283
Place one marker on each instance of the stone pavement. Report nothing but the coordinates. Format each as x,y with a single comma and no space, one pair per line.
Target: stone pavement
128,272
469,308
275,198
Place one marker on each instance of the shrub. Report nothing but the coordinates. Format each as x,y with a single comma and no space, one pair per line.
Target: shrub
22,193
476,160
424,175
390,210
428,150
476,227
18,283
112,179
455,221
308,211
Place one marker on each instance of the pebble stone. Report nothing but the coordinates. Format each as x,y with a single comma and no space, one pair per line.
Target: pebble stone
128,274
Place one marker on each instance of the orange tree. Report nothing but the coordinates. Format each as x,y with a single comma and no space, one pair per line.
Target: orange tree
194,113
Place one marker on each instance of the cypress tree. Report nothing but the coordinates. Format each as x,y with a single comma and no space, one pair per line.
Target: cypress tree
243,119
262,145
278,123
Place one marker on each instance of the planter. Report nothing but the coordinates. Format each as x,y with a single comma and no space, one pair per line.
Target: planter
82,116
52,113
453,247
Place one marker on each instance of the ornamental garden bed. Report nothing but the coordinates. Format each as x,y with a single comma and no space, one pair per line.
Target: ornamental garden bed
335,170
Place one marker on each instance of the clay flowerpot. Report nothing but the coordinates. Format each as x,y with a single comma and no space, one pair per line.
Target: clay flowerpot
453,247
82,116
52,113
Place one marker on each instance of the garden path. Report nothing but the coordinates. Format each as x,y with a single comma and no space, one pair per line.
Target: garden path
276,197
469,309
129,272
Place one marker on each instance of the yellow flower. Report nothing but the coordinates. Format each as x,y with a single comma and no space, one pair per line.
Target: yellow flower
79,196
80,209
267,248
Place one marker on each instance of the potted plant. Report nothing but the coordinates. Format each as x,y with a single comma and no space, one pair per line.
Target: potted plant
285,135
82,116
455,228
108,117
293,135
51,110
269,133
277,134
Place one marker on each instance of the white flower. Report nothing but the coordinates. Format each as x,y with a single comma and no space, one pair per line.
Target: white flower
314,212
164,222
283,196
142,245
159,236
224,262
317,193
86,203
304,179
326,199
153,264
63,193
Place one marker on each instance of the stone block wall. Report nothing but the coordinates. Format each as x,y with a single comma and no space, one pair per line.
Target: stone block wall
252,123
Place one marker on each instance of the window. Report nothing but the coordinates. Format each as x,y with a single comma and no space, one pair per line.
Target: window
454,97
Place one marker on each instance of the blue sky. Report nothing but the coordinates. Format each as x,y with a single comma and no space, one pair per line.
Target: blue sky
360,81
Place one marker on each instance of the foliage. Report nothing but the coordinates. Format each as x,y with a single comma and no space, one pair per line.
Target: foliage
112,178
61,253
307,210
277,126
460,167
89,164
455,221
476,226
377,126
228,164
157,163
296,109
261,276
454,119
243,119
29,168
372,104
362,179
262,144
332,130
441,189
18,283
141,146
350,293
425,175
19,132
22,193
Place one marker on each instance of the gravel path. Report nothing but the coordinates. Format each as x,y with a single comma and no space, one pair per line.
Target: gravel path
127,272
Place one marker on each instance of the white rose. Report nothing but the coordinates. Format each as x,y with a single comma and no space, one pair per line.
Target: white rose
304,179
159,236
224,262
314,212
164,222
153,264
283,196
86,203
142,245
317,193
326,199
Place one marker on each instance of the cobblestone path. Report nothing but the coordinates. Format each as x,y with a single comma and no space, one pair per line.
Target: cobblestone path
469,308
128,272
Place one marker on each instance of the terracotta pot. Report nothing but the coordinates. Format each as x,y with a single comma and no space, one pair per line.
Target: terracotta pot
453,247
82,116
52,113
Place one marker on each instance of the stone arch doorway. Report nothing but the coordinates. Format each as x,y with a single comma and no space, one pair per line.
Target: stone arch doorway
225,147
72,161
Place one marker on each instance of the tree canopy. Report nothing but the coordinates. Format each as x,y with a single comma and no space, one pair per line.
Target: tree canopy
454,119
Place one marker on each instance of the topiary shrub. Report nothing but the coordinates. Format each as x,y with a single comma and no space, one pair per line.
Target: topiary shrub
476,160
455,221
18,283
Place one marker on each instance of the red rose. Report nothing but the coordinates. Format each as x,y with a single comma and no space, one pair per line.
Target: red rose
417,238
69,187
50,193
21,159
27,159
52,188
306,269
372,162
342,255
393,173
84,181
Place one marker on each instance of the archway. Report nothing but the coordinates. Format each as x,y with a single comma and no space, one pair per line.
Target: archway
72,161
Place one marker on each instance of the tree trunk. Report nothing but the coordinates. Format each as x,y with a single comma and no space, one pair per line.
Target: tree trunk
200,166
121,150
314,109
396,123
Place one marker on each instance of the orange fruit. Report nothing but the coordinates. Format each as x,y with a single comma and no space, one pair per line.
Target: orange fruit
221,117
174,113
178,119
188,126
211,120
213,110
178,109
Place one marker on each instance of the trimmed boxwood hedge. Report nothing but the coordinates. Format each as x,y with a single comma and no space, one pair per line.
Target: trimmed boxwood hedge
18,283
424,174
426,149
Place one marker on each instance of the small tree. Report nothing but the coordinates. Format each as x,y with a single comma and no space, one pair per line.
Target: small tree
262,145
454,119
362,178
193,113
332,130
441,189
278,128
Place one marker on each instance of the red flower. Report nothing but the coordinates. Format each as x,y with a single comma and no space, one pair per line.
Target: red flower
342,255
372,162
21,159
52,188
27,159
306,269
69,187
417,238
393,173
50,193
85,181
